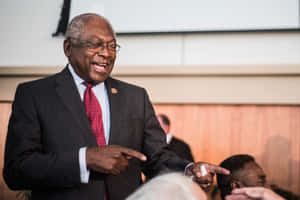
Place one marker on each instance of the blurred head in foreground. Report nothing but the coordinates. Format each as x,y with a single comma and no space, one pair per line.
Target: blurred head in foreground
172,186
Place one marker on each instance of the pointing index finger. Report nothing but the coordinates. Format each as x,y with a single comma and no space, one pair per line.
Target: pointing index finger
217,169
132,153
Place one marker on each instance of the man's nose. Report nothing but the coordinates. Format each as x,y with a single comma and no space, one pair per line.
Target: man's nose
103,51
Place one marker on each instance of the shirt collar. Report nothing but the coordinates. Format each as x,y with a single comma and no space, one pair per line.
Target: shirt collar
79,80
169,138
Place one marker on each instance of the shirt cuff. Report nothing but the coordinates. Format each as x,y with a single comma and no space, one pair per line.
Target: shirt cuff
187,166
84,172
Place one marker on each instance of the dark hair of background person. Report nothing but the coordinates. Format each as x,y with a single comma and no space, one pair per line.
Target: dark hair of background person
233,164
164,119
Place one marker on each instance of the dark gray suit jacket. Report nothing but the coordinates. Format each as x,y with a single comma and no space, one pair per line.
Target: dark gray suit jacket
48,126
181,149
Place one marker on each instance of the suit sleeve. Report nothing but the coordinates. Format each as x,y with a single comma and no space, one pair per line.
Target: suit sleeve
26,165
188,154
159,157
182,149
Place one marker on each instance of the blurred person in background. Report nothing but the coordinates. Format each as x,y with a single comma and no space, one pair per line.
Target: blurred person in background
179,147
245,172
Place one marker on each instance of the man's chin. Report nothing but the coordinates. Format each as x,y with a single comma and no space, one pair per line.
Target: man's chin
99,77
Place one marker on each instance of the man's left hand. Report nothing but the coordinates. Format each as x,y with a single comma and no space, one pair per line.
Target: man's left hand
203,173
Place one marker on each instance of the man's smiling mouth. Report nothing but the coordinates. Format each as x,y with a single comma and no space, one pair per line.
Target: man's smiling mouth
99,67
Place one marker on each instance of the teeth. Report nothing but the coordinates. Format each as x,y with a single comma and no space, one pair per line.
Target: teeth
101,64
100,67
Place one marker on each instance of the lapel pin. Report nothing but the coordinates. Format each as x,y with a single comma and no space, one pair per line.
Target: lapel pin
114,90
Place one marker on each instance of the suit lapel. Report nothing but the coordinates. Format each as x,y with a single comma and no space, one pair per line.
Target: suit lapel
114,95
68,93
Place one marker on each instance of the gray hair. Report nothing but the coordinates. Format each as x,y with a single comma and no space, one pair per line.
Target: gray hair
171,186
75,27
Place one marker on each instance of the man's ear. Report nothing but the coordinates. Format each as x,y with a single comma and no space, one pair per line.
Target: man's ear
67,47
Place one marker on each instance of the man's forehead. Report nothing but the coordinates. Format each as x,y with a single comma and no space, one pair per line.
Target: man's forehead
98,28
250,167
98,22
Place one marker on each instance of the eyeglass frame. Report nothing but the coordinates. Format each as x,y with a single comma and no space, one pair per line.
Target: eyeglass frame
96,47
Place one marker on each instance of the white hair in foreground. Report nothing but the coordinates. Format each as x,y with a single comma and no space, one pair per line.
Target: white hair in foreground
172,186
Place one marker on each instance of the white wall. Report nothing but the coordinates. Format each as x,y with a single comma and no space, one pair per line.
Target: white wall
26,28
193,15
211,49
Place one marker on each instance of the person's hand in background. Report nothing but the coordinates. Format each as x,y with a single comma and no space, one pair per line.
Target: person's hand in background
253,193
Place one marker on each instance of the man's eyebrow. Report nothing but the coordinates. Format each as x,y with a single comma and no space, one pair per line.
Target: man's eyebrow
99,39
113,40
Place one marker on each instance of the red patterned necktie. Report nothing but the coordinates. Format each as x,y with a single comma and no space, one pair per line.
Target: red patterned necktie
94,113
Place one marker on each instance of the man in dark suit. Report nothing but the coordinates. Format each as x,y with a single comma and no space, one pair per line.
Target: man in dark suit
176,145
78,134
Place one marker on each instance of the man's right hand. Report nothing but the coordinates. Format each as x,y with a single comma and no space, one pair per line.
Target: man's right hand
112,159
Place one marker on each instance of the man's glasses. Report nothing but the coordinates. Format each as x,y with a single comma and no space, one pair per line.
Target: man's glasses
96,47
